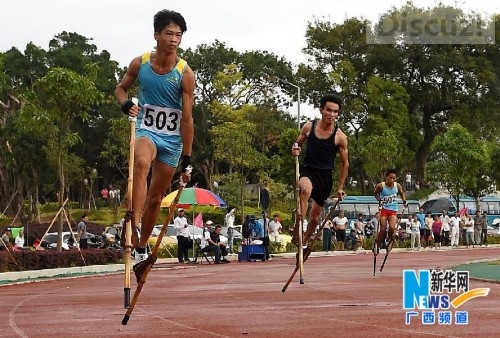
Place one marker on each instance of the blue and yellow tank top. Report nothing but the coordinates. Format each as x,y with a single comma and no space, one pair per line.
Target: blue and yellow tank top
160,98
388,196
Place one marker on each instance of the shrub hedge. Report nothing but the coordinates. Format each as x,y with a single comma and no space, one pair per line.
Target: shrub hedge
51,259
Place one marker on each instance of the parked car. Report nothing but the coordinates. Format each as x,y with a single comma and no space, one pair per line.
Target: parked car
49,241
494,230
168,239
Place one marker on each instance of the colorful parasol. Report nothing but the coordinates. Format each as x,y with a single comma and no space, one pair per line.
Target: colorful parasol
194,196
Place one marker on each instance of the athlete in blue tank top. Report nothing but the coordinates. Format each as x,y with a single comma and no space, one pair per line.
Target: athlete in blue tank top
164,123
386,193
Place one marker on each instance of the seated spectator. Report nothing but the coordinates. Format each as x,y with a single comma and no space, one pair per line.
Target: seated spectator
352,241
208,245
19,242
215,240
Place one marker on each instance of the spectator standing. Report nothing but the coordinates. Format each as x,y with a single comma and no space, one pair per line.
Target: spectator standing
229,222
82,232
484,230
437,231
340,223
181,227
415,231
421,220
19,241
428,224
360,229
327,236
469,230
117,196
373,225
104,195
478,227
455,230
275,229
5,243
408,181
445,220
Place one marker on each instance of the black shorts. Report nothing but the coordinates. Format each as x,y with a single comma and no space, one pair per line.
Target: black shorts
340,235
322,183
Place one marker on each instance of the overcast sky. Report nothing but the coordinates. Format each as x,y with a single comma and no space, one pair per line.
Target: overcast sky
125,28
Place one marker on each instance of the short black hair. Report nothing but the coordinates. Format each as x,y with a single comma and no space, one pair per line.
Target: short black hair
330,98
218,227
391,171
165,17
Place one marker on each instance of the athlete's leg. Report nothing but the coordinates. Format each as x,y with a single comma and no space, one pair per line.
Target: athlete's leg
305,193
393,220
314,214
144,154
160,180
305,187
381,231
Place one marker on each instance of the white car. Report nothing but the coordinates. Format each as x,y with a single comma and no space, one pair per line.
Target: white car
49,241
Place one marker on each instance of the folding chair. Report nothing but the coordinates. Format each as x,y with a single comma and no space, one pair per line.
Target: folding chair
199,252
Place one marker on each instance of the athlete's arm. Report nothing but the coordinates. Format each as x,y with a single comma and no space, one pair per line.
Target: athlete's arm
301,138
402,193
121,89
341,141
187,127
378,190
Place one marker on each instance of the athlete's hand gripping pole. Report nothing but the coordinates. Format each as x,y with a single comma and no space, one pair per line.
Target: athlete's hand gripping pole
142,269
128,224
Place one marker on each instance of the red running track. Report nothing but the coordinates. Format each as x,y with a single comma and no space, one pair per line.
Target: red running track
340,297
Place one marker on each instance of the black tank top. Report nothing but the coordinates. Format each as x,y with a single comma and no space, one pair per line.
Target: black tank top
320,153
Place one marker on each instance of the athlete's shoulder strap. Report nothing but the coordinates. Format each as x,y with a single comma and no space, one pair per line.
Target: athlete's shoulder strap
145,57
181,65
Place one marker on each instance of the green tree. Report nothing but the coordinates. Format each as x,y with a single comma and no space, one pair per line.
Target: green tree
58,99
458,161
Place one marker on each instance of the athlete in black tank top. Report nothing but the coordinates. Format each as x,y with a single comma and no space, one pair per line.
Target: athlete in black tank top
320,153
316,179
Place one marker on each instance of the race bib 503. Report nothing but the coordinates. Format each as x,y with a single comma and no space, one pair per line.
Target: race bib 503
161,120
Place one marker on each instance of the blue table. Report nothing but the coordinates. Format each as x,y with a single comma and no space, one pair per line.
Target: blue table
252,253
